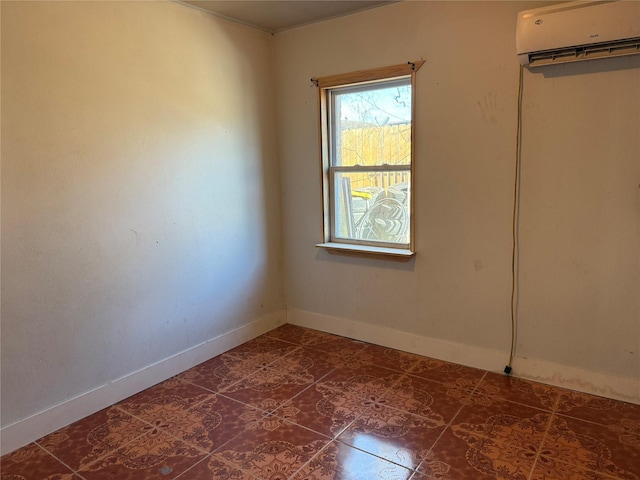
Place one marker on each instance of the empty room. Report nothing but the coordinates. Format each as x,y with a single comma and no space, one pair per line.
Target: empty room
305,240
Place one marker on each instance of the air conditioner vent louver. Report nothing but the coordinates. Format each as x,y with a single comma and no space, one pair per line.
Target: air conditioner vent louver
576,54
580,30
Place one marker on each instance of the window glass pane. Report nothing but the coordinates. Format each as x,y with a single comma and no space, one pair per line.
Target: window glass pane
372,206
372,124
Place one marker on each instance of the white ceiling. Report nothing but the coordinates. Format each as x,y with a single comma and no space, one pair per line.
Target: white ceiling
277,15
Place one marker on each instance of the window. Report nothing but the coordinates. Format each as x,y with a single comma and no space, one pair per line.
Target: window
367,159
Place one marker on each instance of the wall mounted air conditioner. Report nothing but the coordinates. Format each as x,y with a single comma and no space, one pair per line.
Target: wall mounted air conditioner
574,31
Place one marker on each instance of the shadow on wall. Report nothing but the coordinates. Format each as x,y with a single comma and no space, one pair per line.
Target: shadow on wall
142,214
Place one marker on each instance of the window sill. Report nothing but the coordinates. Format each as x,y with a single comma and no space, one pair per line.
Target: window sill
366,250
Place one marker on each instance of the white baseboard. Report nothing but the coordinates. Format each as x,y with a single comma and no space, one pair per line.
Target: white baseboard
40,424
596,383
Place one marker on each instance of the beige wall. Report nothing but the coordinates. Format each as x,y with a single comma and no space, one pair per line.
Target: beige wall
579,221
140,191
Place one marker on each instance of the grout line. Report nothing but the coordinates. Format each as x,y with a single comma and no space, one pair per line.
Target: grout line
563,461
444,430
317,454
97,459
556,405
377,456
236,382
183,475
330,336
188,382
73,471
505,397
301,392
193,466
139,436
539,449
579,419
465,402
447,427
166,432
533,468
262,410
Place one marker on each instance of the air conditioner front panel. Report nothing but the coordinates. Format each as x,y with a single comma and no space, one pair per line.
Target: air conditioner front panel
559,28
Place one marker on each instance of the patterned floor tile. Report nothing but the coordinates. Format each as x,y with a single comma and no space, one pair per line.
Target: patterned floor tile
519,391
598,448
394,435
342,462
424,397
264,344
352,358
599,409
446,372
482,462
178,408
323,409
476,412
393,359
433,469
32,463
155,456
212,468
549,469
314,338
166,392
340,397
225,370
486,440
288,333
310,364
277,450
460,391
93,437
367,381
276,383
205,425
303,404
213,374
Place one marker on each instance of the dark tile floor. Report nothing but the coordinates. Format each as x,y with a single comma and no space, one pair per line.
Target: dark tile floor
304,405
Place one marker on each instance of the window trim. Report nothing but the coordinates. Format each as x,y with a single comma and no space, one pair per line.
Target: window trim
354,79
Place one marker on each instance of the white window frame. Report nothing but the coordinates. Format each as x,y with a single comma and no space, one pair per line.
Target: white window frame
343,82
